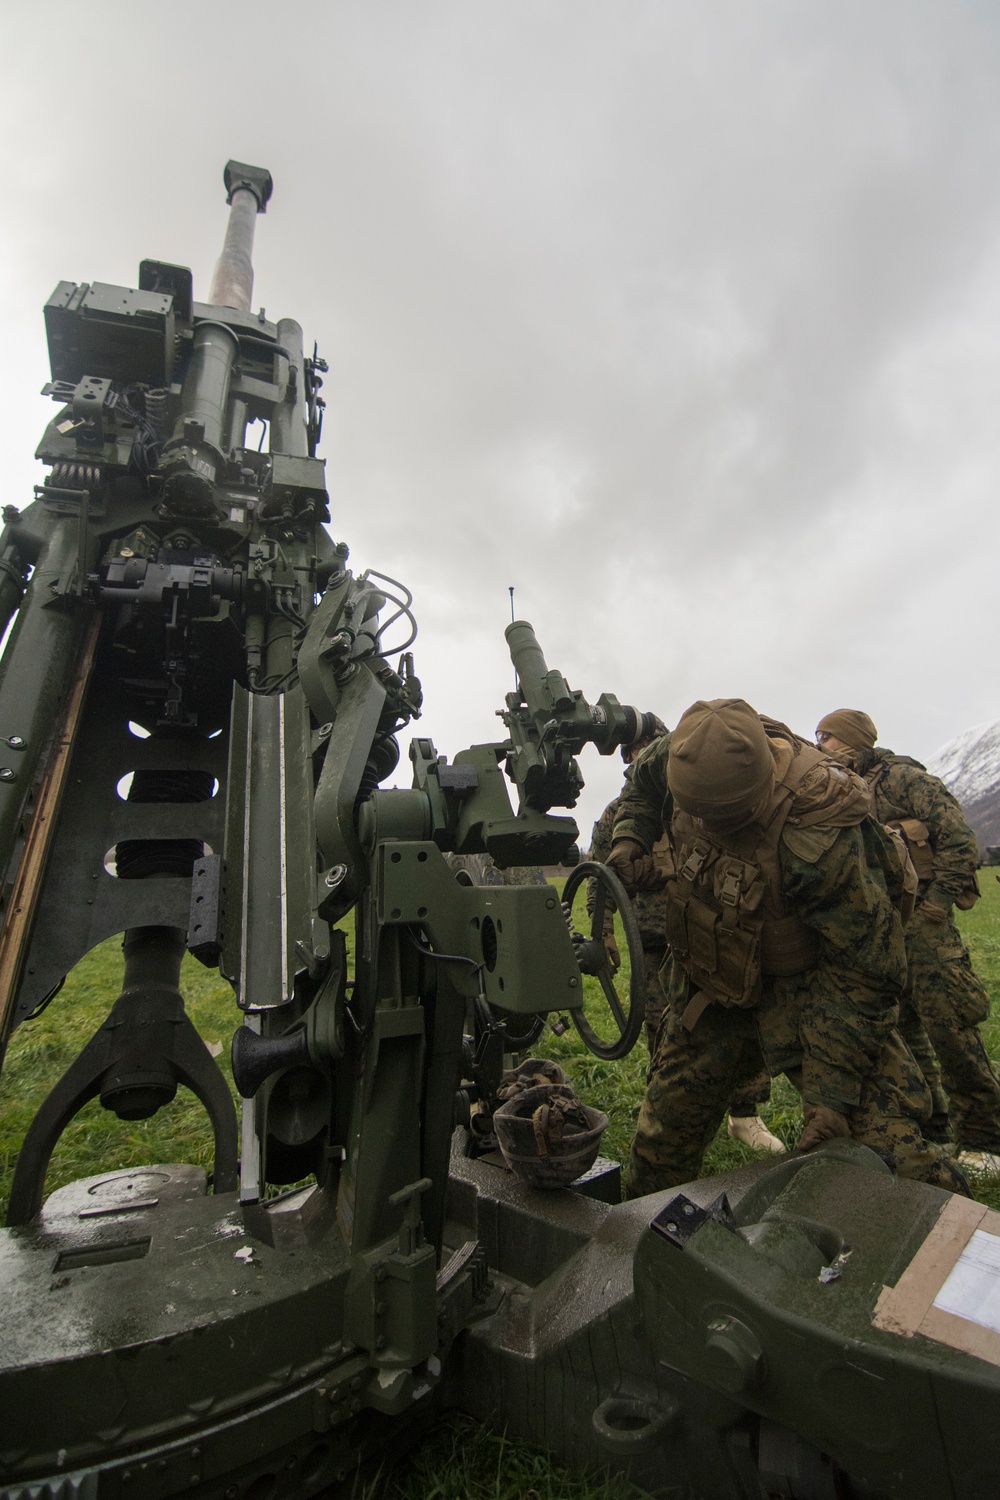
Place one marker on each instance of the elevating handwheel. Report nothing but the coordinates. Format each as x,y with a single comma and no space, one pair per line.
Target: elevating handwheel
592,956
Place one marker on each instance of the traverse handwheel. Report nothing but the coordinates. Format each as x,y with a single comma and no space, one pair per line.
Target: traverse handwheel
627,1011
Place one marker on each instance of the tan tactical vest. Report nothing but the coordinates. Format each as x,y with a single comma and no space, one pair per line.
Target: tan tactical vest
916,837
726,920
916,834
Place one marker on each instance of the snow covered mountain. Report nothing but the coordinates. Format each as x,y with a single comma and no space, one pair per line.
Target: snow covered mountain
970,767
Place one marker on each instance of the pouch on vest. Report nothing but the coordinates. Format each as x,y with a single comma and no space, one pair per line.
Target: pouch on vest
736,883
723,961
917,836
663,859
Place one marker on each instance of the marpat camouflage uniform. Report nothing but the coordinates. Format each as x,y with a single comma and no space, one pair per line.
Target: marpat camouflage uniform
830,1029
651,916
944,999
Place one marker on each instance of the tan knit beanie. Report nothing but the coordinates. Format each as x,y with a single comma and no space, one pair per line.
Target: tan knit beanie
851,727
720,763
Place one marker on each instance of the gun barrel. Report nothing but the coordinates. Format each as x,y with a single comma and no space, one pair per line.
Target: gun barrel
249,189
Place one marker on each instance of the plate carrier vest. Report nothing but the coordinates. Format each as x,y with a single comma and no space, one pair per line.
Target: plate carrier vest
915,833
726,920
917,838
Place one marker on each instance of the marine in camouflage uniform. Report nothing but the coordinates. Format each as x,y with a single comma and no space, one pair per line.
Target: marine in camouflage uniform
827,1021
944,1000
651,915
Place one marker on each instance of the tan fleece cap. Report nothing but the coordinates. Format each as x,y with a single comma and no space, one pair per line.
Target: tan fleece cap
720,762
851,727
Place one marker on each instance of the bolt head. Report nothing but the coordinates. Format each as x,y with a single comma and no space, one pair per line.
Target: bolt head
6,774
16,742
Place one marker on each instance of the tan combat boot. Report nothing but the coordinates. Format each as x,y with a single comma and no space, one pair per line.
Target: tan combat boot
979,1161
751,1130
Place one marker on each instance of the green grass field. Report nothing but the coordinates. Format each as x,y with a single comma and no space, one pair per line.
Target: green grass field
460,1460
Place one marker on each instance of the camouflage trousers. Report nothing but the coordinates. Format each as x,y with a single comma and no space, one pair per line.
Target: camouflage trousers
748,1097
939,1016
693,1076
656,1000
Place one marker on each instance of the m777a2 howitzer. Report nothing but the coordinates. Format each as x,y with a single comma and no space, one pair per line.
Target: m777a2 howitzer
793,1330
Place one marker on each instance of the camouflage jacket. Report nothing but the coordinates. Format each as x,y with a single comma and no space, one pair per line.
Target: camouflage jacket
835,1018
906,790
648,905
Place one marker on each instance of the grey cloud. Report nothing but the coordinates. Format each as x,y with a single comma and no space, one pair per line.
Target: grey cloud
679,318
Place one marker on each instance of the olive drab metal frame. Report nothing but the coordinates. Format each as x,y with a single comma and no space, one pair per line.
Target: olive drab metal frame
199,705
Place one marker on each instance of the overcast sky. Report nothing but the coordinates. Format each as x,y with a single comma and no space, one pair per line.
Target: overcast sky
681,318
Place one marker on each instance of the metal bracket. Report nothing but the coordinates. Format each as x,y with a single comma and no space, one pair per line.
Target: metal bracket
681,1219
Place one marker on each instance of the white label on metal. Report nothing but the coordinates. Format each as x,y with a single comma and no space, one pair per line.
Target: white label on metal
972,1290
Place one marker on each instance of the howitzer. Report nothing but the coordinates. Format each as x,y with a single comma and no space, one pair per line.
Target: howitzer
199,704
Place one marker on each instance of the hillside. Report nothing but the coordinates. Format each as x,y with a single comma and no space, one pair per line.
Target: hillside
969,765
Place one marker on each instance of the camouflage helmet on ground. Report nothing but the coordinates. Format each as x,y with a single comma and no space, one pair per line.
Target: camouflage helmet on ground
547,1135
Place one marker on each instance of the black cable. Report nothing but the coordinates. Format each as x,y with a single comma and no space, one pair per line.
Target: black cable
446,958
145,454
275,684
46,1000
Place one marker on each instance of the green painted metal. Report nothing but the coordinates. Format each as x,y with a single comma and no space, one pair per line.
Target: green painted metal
37,667
269,814
158,1339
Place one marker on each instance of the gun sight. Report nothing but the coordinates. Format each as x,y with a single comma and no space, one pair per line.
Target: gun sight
549,723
